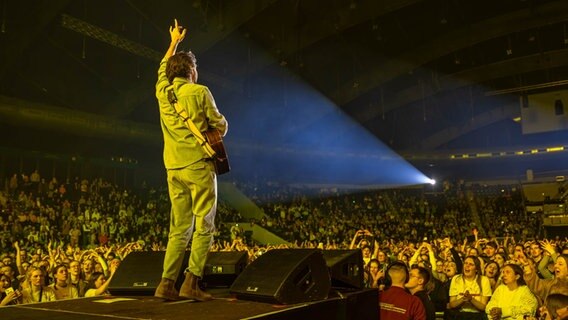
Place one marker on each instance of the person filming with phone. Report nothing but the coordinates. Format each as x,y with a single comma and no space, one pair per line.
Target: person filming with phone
8,296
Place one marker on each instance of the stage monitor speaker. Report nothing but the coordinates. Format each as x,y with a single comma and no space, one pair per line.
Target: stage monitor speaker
346,268
284,276
140,273
222,268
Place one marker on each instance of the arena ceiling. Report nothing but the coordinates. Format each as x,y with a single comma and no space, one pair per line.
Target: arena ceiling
422,76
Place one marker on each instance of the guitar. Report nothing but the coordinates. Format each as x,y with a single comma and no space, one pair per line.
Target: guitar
221,162
212,137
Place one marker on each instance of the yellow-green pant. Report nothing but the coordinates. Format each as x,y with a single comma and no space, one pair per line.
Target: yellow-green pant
193,196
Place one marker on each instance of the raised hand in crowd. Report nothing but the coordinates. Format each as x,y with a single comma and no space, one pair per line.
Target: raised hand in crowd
156,246
548,247
428,246
447,243
113,266
19,258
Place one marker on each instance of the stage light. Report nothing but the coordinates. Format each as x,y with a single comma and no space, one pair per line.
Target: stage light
293,135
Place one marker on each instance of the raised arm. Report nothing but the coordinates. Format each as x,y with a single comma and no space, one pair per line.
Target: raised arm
455,256
353,244
102,261
52,253
431,256
375,242
464,245
414,258
536,285
177,34
19,258
377,248
103,288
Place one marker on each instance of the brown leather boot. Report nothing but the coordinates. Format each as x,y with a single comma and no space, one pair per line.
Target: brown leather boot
167,290
190,289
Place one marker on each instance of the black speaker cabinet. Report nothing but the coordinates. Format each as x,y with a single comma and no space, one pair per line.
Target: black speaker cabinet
284,276
222,268
140,273
346,268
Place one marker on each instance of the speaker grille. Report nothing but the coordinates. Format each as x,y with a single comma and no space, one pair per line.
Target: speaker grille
284,276
140,273
222,268
346,268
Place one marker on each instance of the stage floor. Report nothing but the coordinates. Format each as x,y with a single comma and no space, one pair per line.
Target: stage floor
360,305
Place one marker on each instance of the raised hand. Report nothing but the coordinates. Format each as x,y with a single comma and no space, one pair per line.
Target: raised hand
547,246
449,243
114,264
177,32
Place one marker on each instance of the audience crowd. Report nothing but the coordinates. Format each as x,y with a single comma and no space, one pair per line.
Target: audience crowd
462,252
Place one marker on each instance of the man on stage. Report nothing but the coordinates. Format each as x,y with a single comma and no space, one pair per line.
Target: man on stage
192,181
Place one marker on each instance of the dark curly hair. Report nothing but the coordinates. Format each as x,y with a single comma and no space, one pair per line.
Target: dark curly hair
180,65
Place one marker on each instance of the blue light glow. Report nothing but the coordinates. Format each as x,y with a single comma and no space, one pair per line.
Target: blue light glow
288,132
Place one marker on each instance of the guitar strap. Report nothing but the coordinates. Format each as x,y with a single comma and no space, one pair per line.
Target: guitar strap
185,118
